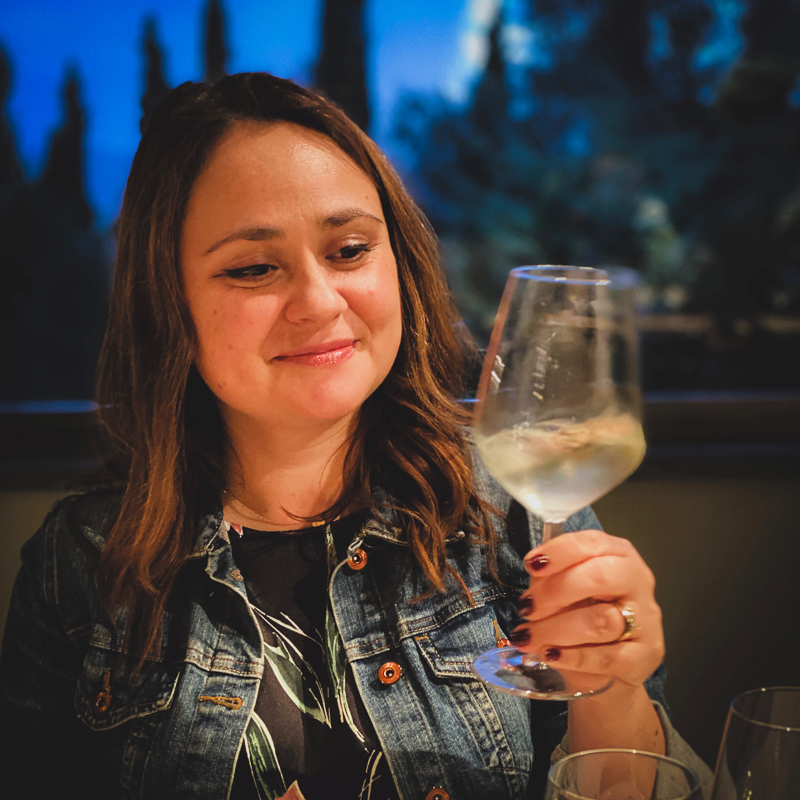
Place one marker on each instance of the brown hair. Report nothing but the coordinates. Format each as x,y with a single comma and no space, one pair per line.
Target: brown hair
160,418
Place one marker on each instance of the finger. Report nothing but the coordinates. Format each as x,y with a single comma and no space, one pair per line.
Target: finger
621,660
569,549
602,578
598,623
593,624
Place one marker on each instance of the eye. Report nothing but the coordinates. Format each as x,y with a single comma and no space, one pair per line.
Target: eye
252,272
351,252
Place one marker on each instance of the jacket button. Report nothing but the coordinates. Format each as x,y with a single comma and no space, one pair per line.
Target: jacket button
437,793
101,703
389,673
358,560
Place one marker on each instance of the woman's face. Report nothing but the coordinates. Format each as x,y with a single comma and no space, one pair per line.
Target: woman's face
289,277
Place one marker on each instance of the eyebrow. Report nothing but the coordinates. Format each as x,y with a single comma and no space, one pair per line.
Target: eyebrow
347,215
262,233
250,233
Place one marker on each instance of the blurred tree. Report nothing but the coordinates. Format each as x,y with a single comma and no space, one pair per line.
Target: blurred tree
761,81
63,170
57,314
215,52
10,168
490,103
749,199
617,159
616,130
616,48
771,29
479,180
688,25
11,188
340,73
155,85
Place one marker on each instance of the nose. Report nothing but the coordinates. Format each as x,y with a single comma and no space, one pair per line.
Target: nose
314,294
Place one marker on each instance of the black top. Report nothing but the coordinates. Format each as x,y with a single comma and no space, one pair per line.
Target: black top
309,724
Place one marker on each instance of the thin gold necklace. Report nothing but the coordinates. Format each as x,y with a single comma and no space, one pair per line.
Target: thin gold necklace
255,513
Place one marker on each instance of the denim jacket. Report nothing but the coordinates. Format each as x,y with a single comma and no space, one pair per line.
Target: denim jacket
176,729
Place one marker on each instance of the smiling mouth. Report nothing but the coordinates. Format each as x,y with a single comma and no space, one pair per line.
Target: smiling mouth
326,353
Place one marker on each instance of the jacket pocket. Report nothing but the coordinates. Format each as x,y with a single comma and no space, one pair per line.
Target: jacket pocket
492,729
450,649
108,696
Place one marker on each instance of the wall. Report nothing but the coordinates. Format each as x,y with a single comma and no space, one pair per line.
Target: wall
725,553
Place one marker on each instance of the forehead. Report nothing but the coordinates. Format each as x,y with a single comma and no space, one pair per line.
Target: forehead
276,176
280,152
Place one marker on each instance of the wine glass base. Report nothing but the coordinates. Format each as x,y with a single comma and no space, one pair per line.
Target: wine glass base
506,669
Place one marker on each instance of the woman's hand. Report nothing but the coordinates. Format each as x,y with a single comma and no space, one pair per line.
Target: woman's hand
580,584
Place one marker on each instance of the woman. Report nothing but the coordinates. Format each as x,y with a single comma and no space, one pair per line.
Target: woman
295,556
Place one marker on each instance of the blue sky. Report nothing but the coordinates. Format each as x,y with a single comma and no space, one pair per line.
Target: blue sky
417,45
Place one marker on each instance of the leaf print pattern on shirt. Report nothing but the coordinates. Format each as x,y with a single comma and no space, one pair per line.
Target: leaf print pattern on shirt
311,693
264,765
294,673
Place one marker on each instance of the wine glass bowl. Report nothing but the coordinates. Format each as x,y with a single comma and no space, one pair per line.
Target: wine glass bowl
759,756
557,418
616,774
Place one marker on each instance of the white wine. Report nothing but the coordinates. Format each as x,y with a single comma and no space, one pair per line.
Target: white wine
556,468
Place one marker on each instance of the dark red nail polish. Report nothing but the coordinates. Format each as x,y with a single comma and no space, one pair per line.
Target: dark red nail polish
525,606
538,562
552,654
520,636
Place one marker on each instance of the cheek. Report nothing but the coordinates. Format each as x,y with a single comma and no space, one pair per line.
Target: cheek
227,323
382,304
221,342
388,326
211,362
210,335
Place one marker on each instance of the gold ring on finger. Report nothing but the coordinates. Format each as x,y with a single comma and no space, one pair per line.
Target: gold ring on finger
629,620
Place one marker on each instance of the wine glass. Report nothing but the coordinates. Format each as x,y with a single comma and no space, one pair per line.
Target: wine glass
557,419
621,775
759,758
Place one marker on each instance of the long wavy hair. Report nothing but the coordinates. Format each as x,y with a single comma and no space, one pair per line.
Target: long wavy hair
160,419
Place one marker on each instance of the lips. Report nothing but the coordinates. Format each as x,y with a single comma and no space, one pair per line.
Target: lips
332,352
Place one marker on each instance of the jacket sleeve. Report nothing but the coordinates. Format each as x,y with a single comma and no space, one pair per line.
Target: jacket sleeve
41,658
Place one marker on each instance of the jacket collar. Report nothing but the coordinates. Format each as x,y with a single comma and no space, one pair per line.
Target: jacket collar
213,530
384,524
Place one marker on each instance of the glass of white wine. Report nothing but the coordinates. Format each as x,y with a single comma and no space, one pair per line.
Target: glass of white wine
557,420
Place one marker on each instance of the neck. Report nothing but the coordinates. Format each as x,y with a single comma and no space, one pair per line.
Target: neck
296,470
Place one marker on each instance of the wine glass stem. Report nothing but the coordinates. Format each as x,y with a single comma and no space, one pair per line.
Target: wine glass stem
552,529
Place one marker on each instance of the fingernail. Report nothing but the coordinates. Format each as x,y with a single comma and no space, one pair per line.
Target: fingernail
552,654
520,636
538,562
525,606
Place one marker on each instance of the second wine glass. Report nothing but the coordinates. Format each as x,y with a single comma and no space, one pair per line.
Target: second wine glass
759,758
557,421
621,775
